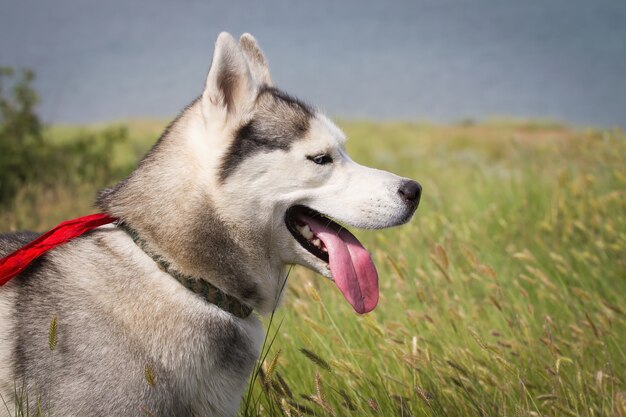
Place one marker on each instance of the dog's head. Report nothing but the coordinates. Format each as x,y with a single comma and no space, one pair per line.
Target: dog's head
282,174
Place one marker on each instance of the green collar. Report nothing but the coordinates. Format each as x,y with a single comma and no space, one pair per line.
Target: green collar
203,288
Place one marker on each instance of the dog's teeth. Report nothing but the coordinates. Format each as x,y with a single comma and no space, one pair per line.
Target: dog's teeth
317,243
306,231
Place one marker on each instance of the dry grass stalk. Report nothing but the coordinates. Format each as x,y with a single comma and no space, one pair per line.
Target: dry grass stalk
52,333
149,375
316,359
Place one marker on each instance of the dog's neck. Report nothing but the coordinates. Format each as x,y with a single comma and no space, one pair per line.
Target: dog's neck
164,203
200,286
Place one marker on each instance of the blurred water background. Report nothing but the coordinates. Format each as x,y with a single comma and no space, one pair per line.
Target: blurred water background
435,60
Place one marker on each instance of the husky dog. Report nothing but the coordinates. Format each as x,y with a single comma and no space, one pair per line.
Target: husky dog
242,184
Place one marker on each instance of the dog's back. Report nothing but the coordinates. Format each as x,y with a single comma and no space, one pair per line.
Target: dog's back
9,242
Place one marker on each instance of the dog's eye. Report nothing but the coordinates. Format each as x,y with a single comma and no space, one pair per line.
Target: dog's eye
321,159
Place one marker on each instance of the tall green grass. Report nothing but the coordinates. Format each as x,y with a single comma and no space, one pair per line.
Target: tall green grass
502,297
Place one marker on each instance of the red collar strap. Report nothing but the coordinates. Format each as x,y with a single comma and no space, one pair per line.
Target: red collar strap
16,262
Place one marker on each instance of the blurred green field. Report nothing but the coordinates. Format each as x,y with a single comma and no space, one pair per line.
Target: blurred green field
502,297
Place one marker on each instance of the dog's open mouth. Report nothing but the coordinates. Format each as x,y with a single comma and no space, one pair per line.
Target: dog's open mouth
296,220
350,263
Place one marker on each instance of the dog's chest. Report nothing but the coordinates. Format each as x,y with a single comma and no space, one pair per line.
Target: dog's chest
213,380
202,355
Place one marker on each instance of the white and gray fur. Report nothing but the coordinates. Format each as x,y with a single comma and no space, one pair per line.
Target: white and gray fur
210,197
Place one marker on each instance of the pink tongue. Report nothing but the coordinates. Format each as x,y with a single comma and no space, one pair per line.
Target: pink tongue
350,264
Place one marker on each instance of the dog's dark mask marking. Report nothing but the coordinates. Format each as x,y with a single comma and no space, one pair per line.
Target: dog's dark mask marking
278,121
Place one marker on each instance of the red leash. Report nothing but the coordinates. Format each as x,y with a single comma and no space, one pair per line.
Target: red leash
16,262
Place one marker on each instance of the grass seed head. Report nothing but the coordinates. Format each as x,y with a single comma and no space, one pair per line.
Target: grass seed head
52,333
316,359
149,375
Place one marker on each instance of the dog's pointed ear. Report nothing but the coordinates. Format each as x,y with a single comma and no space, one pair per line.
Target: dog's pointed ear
256,60
230,84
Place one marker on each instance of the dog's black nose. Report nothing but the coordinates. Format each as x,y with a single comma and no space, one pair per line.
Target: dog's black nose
410,191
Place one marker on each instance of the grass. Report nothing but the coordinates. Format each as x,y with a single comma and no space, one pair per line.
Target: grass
503,297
